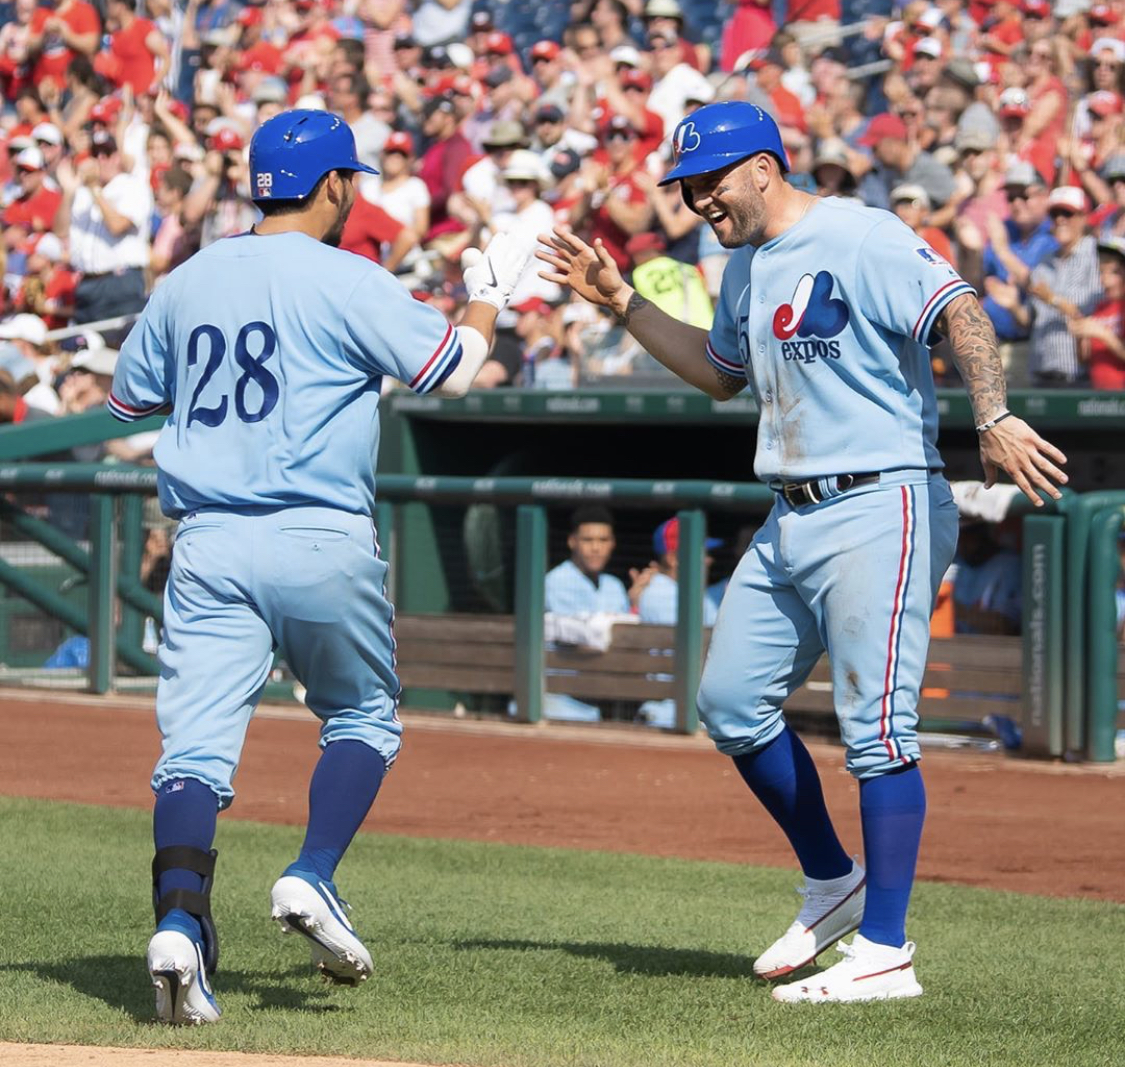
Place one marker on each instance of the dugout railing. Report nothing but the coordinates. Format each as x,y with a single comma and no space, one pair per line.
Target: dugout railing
964,674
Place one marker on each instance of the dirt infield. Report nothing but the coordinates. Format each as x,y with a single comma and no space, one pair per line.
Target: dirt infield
995,822
83,1056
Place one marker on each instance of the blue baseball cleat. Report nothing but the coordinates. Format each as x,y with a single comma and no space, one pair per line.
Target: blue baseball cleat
305,904
183,993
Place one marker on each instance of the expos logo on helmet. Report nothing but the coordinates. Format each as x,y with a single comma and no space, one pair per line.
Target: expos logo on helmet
687,139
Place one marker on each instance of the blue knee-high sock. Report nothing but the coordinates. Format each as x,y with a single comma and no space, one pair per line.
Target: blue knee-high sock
783,777
343,788
185,814
893,809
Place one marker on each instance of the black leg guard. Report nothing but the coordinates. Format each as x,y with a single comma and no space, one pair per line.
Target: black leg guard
186,858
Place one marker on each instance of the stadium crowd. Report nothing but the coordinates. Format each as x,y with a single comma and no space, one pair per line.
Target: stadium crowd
991,127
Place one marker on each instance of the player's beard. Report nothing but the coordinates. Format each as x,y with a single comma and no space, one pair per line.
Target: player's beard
334,235
747,221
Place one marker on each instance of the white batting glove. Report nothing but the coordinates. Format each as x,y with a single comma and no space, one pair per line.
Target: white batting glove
491,275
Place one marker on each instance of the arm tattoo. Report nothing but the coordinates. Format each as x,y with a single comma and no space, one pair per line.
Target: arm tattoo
636,302
729,384
973,341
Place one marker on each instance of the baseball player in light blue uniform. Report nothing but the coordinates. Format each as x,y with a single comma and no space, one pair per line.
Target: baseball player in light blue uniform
827,310
269,350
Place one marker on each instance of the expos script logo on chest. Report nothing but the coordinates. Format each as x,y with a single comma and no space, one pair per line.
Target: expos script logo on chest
807,324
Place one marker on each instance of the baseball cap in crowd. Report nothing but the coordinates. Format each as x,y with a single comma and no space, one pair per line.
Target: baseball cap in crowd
460,55
833,153
563,163
1109,44
270,90
1014,102
646,241
47,133
1114,167
438,103
399,141
549,113
1036,9
928,46
882,126
1102,15
499,75
49,246
1104,103
973,139
24,327
31,159
226,139
663,9
505,133
96,361
102,143
499,44
931,18
636,79
437,57
1020,175
626,54
962,72
909,193
535,304
667,538
404,39
1068,198
1115,246
702,92
105,110
250,16
18,143
480,21
525,166
544,50
618,125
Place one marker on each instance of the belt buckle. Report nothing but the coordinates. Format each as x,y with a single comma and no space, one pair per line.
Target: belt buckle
799,494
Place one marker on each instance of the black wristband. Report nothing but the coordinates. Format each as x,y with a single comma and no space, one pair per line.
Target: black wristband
992,422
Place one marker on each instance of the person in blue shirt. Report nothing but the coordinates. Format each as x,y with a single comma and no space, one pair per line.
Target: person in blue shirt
268,349
1013,249
580,586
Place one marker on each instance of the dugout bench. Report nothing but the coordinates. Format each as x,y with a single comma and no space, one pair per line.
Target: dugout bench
967,678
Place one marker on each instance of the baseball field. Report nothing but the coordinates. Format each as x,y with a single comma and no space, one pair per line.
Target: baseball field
547,897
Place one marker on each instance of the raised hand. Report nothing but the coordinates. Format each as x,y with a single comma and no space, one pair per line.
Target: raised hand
491,276
588,271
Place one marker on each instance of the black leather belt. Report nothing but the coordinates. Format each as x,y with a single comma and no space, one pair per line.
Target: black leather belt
798,494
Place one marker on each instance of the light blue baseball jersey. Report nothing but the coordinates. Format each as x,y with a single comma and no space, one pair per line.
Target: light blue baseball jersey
659,602
571,592
270,351
837,355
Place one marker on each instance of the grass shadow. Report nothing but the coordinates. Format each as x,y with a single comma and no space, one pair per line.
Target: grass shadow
122,983
653,960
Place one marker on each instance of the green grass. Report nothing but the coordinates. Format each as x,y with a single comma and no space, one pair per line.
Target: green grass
519,957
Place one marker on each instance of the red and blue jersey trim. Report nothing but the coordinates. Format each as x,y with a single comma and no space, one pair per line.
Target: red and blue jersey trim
894,635
127,413
925,323
440,365
727,366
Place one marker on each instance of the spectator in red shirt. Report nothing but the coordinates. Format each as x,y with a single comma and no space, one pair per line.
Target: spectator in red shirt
751,27
59,34
35,208
256,53
1101,344
138,48
445,161
627,96
1015,110
1002,32
614,206
369,227
15,72
49,284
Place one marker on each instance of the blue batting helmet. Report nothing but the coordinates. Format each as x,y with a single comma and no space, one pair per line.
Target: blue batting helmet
292,151
717,135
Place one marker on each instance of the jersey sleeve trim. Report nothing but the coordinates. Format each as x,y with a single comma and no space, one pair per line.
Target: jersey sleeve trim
127,413
440,365
956,287
727,366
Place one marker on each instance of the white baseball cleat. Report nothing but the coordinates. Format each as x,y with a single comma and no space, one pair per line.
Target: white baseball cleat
869,971
304,904
832,909
183,994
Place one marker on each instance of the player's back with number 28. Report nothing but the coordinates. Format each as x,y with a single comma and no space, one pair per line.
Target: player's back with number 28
271,350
